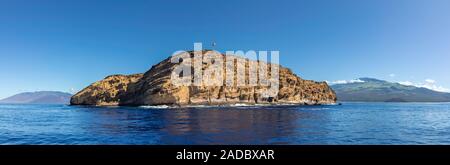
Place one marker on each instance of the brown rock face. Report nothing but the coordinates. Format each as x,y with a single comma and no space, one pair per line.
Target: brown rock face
155,87
106,91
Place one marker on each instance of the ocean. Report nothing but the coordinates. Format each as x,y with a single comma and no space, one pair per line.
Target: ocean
349,123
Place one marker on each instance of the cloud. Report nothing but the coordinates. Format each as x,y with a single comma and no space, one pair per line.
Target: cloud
430,81
429,84
392,75
73,90
345,81
407,83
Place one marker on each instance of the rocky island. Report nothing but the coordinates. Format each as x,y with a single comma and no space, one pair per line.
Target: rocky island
155,87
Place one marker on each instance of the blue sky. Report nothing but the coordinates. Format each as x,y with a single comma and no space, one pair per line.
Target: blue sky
65,45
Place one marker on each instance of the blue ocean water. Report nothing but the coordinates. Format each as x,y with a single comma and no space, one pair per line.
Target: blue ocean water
349,123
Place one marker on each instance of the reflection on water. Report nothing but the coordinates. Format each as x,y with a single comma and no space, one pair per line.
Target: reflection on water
228,126
351,123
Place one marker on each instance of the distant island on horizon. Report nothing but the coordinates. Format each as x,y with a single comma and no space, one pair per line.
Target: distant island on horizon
375,90
38,97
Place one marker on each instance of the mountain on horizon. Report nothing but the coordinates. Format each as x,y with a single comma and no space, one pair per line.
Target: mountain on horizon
375,90
39,97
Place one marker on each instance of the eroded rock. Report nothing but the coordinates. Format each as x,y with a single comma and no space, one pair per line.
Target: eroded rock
106,91
155,87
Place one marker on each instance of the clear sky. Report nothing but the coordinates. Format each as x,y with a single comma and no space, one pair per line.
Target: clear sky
65,45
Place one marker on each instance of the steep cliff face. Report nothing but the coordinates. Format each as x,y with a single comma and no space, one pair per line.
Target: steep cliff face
293,89
106,91
155,87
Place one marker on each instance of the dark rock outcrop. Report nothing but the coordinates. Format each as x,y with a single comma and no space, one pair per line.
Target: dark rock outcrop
155,87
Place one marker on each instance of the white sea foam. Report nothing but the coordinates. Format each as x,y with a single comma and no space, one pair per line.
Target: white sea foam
226,105
237,105
332,104
242,105
157,106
